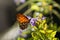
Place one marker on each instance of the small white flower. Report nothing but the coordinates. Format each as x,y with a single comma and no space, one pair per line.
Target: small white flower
37,13
28,17
39,3
33,29
22,1
42,9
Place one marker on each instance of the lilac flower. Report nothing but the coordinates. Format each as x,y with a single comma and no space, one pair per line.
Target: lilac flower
43,18
20,31
32,21
22,1
28,17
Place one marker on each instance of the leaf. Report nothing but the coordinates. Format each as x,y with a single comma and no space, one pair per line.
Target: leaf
58,29
53,34
40,26
44,36
20,38
39,34
34,7
42,31
55,26
55,38
49,31
48,35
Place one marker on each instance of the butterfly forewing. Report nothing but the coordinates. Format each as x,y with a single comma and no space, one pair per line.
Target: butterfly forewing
23,21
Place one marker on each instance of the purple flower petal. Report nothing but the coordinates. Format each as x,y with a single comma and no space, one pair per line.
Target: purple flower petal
43,18
22,1
32,21
28,17
20,31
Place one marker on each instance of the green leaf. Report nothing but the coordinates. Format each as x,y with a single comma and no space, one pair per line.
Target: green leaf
53,34
20,38
55,39
42,31
58,29
38,33
49,31
53,26
44,36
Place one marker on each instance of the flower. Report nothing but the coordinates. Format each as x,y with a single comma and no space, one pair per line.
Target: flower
28,17
41,9
43,18
22,1
20,31
33,29
19,1
32,21
36,14
39,3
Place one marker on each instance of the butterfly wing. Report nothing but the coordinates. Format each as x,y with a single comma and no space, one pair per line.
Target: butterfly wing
23,20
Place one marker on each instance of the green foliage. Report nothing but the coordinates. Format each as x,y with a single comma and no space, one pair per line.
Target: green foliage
58,29
20,38
44,29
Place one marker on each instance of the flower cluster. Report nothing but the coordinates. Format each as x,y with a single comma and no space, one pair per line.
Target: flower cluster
40,29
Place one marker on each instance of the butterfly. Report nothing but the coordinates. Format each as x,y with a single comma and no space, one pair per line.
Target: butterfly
23,21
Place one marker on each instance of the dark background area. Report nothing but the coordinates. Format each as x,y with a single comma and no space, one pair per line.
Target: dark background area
57,20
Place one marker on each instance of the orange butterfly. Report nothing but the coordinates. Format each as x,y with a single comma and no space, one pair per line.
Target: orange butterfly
23,20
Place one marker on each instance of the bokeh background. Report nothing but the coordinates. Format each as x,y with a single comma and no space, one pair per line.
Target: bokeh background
8,14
